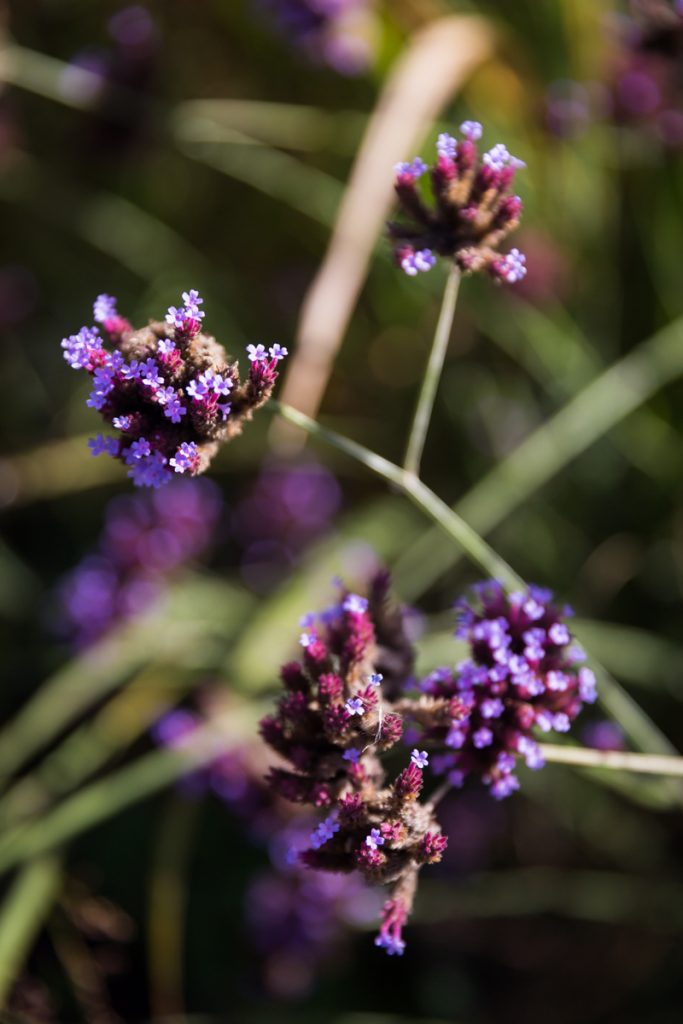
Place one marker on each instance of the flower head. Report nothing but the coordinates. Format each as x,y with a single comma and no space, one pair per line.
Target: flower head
166,385
473,209
523,672
332,735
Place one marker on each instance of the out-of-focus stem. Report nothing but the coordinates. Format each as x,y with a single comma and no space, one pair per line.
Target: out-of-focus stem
618,760
587,757
167,907
425,403
26,905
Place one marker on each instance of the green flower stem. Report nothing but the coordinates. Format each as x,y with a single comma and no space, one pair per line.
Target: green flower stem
585,757
26,905
90,746
425,403
619,760
76,687
474,546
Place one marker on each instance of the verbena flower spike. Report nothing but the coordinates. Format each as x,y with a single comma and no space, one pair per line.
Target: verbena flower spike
473,209
334,721
339,714
170,390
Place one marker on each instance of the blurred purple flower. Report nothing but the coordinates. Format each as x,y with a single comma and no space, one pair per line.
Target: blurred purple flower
145,538
567,108
648,78
603,735
288,507
338,33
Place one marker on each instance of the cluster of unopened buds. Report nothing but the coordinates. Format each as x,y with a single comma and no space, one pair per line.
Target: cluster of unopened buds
473,209
353,696
169,389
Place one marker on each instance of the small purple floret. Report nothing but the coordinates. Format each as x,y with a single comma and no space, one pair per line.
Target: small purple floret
185,458
103,445
414,263
355,706
256,353
104,308
375,839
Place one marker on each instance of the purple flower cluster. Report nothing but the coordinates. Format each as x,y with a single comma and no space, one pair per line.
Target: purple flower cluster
336,32
473,209
145,538
334,720
168,388
524,673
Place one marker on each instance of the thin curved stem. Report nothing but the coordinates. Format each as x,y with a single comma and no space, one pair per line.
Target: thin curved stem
588,757
425,403
618,760
474,546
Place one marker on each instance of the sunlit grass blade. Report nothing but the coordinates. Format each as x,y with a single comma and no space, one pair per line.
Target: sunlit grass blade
103,799
288,125
168,632
86,749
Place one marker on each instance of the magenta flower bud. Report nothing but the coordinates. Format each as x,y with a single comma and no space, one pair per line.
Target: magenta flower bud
370,861
293,677
330,688
431,847
408,785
